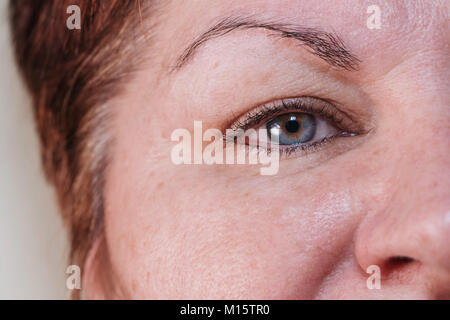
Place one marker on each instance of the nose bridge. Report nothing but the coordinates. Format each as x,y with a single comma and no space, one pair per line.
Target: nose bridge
419,130
424,169
421,181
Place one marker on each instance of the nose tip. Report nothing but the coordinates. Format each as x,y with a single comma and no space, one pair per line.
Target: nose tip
411,248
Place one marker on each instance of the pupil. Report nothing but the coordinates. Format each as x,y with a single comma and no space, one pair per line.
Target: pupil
292,126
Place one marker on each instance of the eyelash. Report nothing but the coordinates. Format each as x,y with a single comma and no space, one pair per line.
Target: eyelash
311,105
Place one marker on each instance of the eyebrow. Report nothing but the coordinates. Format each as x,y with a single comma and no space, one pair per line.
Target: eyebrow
326,45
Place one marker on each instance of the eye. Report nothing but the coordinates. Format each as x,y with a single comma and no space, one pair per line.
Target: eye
297,127
297,123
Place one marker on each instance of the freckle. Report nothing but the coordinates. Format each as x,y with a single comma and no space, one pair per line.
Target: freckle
266,77
246,195
216,64
160,185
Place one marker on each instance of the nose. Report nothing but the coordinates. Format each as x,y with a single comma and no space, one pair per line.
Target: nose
407,235
409,240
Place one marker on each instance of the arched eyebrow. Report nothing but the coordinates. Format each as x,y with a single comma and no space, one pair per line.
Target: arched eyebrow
327,46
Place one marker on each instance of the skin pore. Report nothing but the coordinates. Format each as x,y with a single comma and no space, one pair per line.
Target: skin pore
311,230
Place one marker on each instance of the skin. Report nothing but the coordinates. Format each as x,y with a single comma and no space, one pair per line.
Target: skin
311,230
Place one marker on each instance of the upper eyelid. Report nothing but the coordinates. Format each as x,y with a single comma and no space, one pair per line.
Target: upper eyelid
313,105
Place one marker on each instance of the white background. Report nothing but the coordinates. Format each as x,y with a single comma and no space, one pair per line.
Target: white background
33,246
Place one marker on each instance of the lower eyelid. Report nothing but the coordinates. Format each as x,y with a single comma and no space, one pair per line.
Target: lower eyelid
305,148
308,156
331,146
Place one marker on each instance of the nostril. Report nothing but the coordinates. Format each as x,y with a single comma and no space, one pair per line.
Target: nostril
399,261
399,268
396,264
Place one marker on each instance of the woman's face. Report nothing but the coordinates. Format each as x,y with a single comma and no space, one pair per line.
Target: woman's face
375,192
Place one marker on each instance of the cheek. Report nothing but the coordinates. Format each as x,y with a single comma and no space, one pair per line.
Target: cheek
192,232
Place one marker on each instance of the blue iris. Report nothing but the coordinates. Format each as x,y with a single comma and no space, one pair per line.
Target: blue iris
292,128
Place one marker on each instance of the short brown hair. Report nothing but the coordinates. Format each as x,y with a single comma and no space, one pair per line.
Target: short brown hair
70,75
